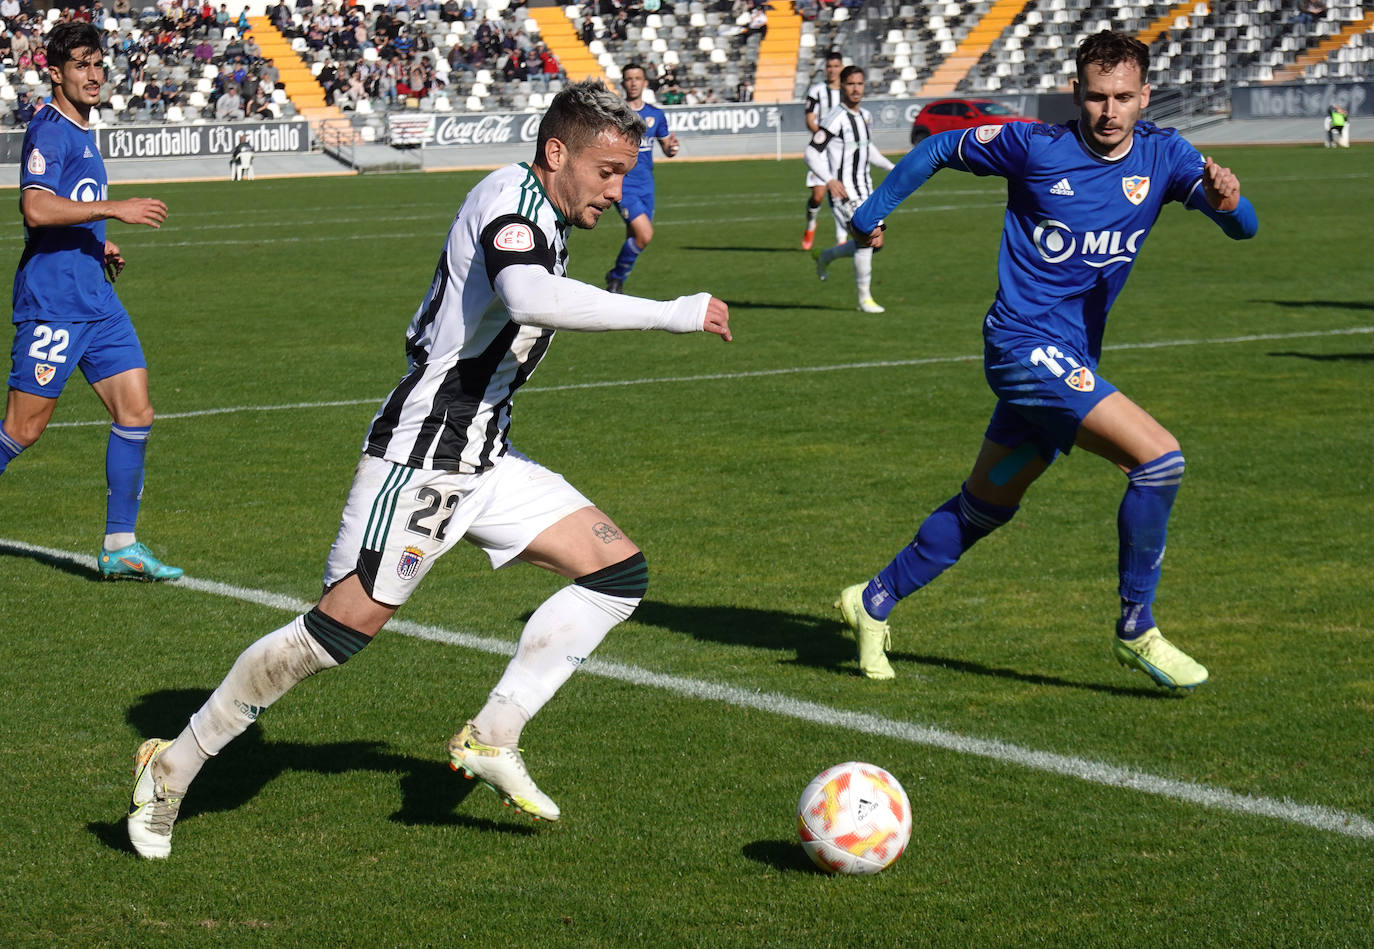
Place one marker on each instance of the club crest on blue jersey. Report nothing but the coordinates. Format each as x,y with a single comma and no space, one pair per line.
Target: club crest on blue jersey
43,373
1136,187
410,563
1080,379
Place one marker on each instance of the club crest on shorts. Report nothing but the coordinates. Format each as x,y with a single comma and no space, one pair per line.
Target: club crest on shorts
43,373
1136,187
409,564
1080,379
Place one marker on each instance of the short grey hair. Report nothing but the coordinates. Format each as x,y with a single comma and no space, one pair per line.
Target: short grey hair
581,112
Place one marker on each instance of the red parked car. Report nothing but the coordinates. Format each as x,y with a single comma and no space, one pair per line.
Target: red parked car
945,114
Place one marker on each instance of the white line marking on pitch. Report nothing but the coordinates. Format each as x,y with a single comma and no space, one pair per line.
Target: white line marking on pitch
750,374
1096,772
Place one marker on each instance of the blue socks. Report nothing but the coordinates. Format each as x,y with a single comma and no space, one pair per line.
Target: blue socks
629,253
1142,524
9,449
124,475
946,534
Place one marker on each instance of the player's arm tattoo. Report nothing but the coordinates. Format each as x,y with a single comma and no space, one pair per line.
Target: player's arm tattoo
608,533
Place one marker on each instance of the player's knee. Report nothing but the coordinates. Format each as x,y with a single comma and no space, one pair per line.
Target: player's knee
628,579
341,641
1163,471
25,431
140,416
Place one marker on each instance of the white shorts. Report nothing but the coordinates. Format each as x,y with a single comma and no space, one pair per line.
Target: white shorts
399,520
813,179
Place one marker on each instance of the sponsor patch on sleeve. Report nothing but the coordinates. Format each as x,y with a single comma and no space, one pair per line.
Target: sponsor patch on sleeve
37,164
517,237
986,133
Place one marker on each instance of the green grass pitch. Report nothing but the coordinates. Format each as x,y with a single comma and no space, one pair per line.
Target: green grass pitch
1059,800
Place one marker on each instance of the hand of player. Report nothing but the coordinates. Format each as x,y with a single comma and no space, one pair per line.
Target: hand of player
149,211
718,319
1221,186
671,145
872,239
836,189
114,261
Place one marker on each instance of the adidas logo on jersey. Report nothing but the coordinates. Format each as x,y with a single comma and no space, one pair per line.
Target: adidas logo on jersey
87,153
1062,187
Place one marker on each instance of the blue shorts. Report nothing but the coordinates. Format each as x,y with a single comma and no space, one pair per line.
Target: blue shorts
45,352
634,203
1044,391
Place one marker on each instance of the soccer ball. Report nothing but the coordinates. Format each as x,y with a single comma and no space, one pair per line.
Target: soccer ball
854,818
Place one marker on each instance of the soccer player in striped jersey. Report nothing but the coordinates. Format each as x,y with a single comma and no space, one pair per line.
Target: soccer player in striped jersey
841,152
821,99
437,468
66,314
636,204
1081,199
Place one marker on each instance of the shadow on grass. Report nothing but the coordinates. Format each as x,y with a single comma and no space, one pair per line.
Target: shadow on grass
775,305
741,249
1032,678
65,564
814,642
1320,304
1328,357
784,855
430,791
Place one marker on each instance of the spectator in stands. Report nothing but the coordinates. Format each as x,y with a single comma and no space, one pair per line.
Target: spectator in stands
620,26
153,106
229,105
121,8
744,92
1309,11
808,10
243,24
758,25
553,69
512,69
171,93
587,30
203,51
251,50
268,73
222,17
458,57
23,109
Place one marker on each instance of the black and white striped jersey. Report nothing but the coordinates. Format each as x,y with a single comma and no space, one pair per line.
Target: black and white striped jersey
466,356
844,141
822,100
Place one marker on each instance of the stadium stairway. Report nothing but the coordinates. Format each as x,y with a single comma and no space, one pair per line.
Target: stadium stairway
1318,53
1169,21
971,49
557,32
776,71
301,86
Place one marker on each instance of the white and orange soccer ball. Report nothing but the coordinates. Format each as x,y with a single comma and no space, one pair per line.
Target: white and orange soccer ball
854,818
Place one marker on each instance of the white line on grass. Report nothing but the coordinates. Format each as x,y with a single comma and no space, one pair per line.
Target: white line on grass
1096,772
749,374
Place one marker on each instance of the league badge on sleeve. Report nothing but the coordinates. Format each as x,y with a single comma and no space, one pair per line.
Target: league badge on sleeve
37,164
986,133
515,237
1136,187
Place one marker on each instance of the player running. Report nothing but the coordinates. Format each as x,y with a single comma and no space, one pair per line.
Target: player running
841,152
636,204
66,314
437,468
821,99
1082,198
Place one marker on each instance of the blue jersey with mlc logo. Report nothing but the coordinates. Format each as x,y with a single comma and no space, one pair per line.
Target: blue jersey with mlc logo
1075,221
61,275
641,176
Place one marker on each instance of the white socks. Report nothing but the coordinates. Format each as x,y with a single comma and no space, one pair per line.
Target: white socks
263,673
557,639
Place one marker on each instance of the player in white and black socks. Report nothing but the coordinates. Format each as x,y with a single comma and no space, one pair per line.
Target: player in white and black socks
437,468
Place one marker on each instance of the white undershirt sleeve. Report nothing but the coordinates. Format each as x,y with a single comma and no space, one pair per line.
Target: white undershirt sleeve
535,297
876,157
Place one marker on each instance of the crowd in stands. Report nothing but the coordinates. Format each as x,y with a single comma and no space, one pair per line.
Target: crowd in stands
184,59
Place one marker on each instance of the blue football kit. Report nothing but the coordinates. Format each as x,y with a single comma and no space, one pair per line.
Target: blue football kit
1075,223
637,191
65,310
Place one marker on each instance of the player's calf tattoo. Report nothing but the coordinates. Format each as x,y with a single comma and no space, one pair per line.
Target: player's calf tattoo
608,533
